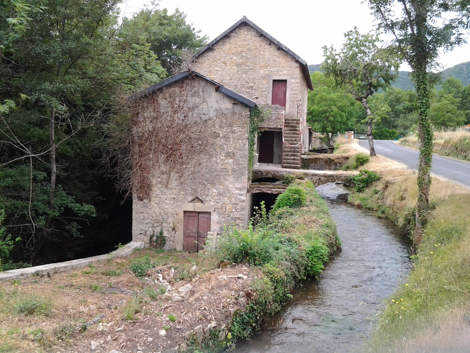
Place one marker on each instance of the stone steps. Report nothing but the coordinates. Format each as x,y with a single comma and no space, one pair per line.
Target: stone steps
291,156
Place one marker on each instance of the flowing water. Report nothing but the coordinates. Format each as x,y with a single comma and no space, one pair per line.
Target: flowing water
338,312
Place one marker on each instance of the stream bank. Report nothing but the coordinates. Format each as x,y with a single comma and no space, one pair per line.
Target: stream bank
338,312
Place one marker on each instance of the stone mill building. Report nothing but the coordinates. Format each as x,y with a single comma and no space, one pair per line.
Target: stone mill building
190,136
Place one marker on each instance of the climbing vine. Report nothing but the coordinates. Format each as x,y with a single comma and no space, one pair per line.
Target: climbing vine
426,148
256,118
168,134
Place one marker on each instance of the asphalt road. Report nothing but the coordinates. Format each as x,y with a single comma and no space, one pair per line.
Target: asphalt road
441,166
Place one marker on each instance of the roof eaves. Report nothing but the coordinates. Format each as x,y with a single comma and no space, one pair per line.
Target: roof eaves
181,75
161,84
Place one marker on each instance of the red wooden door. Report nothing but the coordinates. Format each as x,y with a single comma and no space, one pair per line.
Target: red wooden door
204,226
279,93
266,147
196,225
190,231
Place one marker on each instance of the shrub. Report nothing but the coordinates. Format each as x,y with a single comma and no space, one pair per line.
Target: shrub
385,134
356,161
363,180
361,159
238,245
289,179
141,265
172,318
294,196
317,254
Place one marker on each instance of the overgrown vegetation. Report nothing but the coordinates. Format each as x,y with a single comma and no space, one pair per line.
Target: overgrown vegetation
363,180
290,246
141,265
256,118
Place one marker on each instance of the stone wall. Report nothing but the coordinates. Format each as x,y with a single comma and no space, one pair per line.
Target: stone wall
212,168
247,63
324,161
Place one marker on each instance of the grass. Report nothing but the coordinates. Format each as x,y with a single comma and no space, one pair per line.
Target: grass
452,143
431,307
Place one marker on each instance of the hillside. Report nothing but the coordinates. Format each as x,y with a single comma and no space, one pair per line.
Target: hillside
460,72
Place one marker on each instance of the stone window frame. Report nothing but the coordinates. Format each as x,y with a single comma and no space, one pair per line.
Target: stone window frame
288,89
193,207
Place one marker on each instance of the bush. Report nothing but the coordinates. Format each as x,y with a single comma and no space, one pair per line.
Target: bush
385,134
317,254
363,180
356,161
294,196
361,159
256,247
141,266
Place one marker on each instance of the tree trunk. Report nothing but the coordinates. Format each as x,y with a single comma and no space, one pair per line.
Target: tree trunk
53,170
369,127
51,203
425,150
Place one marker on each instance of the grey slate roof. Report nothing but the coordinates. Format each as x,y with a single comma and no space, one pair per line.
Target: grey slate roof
182,75
245,20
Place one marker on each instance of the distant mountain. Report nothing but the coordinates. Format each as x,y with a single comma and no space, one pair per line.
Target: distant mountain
460,72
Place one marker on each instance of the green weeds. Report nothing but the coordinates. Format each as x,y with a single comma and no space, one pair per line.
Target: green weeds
141,265
363,180
33,305
132,307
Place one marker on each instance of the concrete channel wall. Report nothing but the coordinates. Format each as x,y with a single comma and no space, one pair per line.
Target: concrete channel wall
50,269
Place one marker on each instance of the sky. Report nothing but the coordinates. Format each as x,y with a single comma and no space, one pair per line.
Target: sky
304,26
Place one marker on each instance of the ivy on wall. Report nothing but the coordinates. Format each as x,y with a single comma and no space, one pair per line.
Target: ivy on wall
256,118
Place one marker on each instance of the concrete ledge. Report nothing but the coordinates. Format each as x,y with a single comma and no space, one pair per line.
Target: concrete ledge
50,269
318,177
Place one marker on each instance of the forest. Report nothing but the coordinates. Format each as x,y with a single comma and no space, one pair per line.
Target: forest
66,70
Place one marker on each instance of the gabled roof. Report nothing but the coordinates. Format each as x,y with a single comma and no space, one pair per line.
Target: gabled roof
245,20
248,102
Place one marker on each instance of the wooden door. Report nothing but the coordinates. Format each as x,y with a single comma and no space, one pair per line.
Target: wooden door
196,225
204,226
266,147
279,93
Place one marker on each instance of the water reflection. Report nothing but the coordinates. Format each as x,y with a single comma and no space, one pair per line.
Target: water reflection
336,314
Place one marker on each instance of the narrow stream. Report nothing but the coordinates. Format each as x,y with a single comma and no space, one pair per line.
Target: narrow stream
338,312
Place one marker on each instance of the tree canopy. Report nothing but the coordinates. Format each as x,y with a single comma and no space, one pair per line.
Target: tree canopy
66,68
362,67
330,108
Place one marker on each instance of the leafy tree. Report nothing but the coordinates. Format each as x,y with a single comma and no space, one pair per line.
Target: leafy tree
465,103
445,112
65,74
330,108
420,31
363,68
402,115
169,36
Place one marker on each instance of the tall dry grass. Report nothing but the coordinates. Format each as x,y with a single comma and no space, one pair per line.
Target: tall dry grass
452,143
